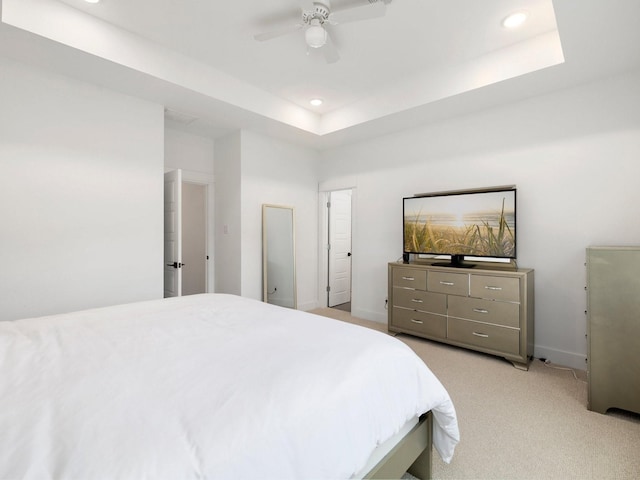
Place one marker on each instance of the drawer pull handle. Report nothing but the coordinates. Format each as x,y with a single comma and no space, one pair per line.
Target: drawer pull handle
411,279
489,287
483,335
417,321
416,300
480,310
449,284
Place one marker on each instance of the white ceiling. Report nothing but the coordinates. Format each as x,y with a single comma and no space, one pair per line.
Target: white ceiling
424,60
414,36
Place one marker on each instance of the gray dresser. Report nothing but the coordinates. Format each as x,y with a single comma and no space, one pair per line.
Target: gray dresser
489,310
613,328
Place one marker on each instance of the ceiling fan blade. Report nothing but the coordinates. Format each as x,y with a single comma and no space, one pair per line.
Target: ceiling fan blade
261,37
361,12
330,51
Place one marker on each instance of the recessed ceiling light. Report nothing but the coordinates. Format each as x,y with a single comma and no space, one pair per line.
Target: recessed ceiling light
515,20
92,1
316,102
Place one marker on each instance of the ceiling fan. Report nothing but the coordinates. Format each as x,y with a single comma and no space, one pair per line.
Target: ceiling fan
317,18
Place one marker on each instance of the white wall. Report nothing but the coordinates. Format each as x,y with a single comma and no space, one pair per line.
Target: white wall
188,152
574,156
228,233
80,195
281,174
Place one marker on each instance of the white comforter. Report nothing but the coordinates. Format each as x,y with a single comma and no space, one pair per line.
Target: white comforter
213,386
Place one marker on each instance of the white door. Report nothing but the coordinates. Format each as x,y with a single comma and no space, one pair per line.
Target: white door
339,247
173,233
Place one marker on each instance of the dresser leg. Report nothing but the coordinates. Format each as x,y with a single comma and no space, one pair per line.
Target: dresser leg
520,366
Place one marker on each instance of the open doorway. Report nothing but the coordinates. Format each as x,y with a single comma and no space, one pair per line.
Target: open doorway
339,254
188,233
194,238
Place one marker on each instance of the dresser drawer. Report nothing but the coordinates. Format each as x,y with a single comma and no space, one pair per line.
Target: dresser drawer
489,311
420,300
495,288
491,337
428,324
444,282
410,278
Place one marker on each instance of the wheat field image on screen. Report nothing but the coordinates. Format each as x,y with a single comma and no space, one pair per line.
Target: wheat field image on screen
482,226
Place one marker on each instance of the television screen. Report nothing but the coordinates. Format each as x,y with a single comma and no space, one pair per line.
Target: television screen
478,223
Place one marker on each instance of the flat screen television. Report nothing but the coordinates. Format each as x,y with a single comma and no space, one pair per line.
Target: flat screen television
476,223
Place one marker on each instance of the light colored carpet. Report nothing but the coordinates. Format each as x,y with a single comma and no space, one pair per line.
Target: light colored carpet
345,307
523,425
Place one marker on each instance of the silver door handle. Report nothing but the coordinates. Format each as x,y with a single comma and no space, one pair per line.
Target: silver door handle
408,278
449,284
483,335
489,287
480,310
416,300
417,321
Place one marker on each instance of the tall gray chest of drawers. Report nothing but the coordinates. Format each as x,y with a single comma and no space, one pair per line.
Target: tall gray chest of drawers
489,310
613,328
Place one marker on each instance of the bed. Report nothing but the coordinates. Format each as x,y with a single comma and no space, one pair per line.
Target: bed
214,386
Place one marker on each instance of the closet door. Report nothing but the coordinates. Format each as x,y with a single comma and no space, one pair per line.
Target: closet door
613,328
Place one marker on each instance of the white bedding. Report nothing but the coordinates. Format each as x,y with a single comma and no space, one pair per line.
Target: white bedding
211,385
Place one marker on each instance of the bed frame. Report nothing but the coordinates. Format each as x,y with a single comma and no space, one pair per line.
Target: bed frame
412,454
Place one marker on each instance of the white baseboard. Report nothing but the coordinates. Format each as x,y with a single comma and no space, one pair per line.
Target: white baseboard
560,357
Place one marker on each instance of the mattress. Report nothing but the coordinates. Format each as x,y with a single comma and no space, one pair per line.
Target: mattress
210,385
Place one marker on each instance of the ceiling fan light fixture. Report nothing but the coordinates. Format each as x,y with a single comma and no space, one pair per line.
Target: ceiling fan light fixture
315,35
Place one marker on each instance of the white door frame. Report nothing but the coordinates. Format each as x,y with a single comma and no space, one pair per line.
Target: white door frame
199,178
323,230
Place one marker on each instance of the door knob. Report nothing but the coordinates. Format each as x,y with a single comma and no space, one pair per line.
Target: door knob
175,265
